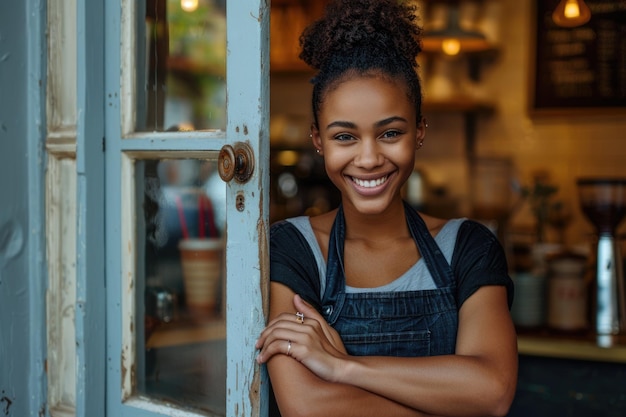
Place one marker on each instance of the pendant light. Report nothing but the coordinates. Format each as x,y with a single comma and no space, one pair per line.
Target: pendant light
571,13
454,39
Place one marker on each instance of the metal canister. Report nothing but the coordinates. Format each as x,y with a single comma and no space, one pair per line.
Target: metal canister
567,292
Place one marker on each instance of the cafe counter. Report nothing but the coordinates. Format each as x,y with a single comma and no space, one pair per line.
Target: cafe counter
569,375
571,347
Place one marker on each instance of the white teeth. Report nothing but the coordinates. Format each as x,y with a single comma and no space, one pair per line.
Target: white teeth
371,183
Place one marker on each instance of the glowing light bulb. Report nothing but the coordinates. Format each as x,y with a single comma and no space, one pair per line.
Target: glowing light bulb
572,10
571,13
451,46
189,5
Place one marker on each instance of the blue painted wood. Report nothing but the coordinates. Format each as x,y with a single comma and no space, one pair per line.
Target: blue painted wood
90,267
247,256
36,242
113,203
22,247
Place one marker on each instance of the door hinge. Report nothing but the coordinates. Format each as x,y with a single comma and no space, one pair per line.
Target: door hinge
104,144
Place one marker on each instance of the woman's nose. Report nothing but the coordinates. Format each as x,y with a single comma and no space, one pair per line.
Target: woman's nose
369,155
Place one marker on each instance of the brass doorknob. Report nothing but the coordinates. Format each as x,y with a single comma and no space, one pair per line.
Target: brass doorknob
236,162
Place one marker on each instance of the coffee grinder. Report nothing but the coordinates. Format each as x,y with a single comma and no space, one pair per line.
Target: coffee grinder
603,201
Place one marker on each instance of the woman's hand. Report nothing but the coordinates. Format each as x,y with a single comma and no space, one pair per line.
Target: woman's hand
312,341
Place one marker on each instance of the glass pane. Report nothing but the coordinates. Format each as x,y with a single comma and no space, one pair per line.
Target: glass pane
182,71
182,299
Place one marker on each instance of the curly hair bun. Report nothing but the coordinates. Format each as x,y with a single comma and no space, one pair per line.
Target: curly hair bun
382,26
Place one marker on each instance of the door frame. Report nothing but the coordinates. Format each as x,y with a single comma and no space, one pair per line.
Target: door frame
90,308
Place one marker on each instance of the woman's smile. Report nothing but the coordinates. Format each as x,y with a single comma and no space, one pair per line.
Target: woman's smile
369,183
370,186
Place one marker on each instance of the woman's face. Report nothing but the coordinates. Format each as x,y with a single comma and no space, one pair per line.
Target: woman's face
368,135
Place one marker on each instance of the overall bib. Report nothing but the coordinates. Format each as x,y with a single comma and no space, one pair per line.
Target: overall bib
403,324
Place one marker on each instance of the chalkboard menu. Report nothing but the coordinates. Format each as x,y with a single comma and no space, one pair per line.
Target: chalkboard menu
582,68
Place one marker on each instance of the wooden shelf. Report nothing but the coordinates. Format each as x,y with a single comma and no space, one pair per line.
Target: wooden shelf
459,104
580,347
185,332
289,19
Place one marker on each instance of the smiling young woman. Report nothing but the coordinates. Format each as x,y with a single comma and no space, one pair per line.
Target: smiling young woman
377,309
368,133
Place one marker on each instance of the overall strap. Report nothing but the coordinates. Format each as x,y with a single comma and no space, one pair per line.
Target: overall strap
434,258
335,291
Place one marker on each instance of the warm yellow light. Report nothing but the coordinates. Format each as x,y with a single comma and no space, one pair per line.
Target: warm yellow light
571,13
189,5
451,46
288,158
572,10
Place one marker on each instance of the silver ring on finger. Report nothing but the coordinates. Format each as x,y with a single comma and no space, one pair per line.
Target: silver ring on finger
288,347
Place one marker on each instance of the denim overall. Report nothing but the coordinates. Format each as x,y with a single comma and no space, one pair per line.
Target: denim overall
404,324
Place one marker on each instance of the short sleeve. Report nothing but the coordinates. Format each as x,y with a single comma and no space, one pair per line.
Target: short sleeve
292,262
479,260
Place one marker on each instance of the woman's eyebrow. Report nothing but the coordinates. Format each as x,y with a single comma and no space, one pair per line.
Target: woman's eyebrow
340,123
389,120
380,123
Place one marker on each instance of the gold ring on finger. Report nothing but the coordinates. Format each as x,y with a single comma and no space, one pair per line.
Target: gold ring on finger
300,317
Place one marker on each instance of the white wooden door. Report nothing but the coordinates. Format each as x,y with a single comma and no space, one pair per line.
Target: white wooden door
186,173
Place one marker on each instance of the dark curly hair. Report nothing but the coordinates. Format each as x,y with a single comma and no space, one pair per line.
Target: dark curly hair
359,37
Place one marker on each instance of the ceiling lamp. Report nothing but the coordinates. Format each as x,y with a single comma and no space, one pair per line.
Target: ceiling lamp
189,5
454,39
571,13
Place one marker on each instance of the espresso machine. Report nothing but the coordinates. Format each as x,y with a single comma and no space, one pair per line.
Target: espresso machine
603,201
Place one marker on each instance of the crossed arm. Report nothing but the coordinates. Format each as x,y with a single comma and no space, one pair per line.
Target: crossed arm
318,378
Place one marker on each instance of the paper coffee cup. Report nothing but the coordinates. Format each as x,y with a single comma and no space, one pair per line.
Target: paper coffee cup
201,261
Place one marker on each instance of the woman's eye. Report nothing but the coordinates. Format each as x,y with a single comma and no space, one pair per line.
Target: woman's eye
390,134
344,137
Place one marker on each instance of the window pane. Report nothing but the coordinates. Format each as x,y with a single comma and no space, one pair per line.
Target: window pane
181,304
182,75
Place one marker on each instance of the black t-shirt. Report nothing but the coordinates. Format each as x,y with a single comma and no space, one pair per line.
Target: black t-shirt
478,260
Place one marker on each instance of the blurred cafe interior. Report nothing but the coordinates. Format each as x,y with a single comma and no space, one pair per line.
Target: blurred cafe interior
526,106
